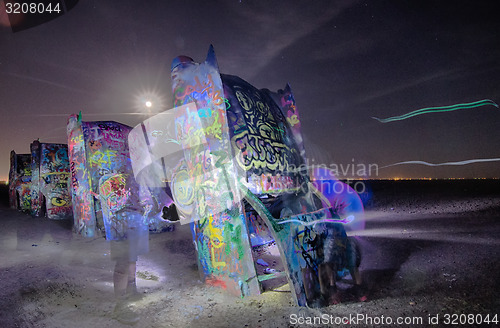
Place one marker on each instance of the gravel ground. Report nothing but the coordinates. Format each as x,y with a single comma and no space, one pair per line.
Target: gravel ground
430,254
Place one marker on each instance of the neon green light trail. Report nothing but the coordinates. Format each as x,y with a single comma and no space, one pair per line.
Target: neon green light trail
484,102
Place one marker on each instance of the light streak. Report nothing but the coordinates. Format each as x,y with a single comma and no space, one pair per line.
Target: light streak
484,102
470,161
59,85
346,220
88,114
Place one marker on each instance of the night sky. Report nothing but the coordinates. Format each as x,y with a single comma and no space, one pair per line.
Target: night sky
346,61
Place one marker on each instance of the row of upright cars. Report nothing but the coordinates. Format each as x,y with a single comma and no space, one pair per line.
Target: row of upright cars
231,158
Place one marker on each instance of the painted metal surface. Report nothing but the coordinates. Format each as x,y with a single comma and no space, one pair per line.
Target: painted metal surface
125,205
50,194
37,198
253,138
19,181
262,139
97,149
38,182
204,184
83,202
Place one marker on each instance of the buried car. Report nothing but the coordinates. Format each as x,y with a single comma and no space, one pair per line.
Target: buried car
234,158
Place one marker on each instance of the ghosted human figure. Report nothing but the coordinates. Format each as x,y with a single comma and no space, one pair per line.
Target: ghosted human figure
125,206
340,252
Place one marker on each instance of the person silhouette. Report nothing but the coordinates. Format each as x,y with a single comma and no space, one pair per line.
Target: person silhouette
125,207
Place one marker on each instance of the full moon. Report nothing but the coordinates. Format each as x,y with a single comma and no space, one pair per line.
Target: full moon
149,104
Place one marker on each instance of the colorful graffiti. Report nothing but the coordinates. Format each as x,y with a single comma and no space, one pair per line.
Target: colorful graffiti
114,195
230,154
204,184
20,181
50,194
289,107
36,195
38,182
257,131
98,149
308,243
263,140
126,205
84,217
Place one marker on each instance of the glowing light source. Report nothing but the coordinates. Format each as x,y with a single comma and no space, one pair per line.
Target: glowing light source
342,197
149,102
479,103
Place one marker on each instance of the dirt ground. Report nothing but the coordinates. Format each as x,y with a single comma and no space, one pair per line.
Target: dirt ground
430,255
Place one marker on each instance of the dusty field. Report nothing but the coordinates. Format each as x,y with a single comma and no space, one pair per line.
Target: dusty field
428,250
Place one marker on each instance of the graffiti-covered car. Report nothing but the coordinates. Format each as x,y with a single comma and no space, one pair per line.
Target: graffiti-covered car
233,154
20,181
96,149
38,182
50,194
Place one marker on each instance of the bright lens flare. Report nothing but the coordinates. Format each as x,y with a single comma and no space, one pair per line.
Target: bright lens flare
148,102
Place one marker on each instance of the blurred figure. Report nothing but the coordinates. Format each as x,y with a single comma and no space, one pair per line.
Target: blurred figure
125,208
340,252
